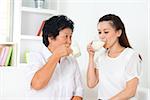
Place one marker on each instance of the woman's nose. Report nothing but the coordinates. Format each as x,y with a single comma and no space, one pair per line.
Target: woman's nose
68,40
101,36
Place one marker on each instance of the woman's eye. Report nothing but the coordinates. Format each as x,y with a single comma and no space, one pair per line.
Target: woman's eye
106,32
99,32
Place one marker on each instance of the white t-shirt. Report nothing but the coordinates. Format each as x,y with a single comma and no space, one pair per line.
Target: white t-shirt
115,72
65,82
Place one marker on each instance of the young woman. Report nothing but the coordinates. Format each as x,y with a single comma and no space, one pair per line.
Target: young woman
56,75
116,72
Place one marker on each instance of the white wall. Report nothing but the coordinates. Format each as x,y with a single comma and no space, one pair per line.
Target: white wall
149,41
5,20
86,13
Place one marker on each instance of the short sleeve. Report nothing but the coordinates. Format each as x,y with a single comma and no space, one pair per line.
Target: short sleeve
99,56
97,62
133,68
35,62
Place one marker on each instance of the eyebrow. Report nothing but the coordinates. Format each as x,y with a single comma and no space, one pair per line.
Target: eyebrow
69,33
104,29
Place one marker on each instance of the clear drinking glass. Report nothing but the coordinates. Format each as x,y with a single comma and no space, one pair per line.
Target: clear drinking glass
75,48
97,43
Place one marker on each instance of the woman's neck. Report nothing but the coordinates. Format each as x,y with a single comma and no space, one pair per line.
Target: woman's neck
50,48
115,50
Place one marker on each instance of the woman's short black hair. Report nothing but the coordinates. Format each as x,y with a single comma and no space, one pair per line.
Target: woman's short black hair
54,25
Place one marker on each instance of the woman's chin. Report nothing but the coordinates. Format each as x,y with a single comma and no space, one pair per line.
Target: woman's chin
105,46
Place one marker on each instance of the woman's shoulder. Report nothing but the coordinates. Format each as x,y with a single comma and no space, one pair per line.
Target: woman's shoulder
35,56
130,52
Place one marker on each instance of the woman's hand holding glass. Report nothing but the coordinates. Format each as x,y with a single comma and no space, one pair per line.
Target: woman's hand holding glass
94,46
90,49
63,50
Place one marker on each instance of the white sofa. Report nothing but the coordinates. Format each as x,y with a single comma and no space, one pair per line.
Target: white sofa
13,85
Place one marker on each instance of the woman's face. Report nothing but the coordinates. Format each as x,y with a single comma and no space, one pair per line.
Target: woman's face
64,37
107,33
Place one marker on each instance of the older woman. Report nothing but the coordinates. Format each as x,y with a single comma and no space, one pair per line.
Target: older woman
57,74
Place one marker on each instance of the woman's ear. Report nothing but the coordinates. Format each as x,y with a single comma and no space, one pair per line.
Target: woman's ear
49,40
119,33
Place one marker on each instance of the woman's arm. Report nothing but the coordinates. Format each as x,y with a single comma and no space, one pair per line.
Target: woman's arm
92,73
128,92
42,76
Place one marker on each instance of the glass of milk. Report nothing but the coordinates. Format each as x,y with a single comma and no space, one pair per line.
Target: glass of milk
75,48
97,43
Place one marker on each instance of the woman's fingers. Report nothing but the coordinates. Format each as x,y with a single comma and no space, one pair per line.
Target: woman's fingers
90,49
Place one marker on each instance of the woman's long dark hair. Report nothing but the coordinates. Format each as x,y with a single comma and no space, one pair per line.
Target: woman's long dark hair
118,25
